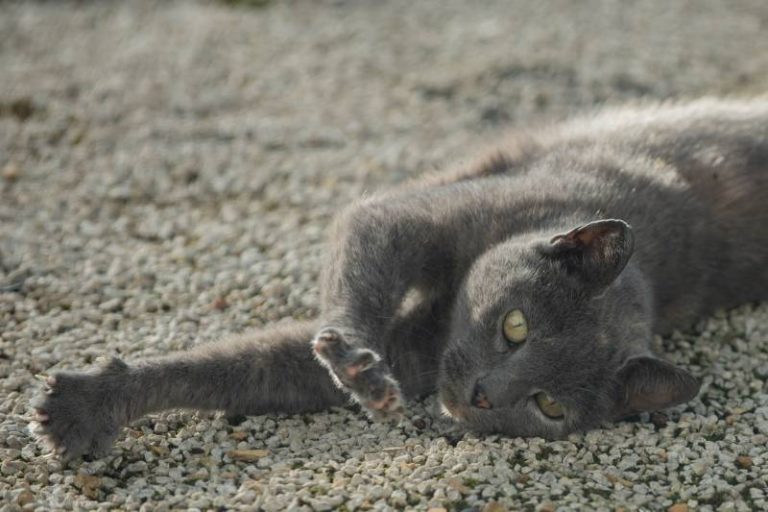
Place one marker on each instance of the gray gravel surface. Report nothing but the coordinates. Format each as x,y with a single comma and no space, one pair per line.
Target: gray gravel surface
167,174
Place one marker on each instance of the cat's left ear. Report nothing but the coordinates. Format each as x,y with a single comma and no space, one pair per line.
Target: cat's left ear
646,384
596,252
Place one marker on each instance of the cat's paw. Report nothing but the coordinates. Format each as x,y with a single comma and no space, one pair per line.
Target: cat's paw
361,372
76,413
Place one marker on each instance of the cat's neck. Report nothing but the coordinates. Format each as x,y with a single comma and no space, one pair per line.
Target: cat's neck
632,295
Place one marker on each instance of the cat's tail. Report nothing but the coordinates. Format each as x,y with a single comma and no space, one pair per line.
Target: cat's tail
271,370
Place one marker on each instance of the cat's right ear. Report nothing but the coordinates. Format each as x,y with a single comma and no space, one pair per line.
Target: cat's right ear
596,252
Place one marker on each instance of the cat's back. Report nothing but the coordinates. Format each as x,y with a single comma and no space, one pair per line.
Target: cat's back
706,163
691,178
667,124
718,147
727,137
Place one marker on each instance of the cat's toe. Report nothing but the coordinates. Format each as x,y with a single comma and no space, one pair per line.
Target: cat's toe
330,346
379,394
359,362
389,405
345,361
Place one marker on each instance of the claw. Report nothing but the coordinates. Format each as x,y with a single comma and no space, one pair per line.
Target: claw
327,336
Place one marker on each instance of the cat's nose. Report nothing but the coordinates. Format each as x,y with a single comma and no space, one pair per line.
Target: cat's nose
479,399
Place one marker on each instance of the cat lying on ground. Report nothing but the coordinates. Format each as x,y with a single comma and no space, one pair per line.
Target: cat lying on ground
524,290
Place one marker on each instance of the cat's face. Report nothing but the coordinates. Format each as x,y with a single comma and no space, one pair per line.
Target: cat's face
549,338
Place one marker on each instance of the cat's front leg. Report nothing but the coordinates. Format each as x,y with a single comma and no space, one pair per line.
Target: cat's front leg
382,249
268,371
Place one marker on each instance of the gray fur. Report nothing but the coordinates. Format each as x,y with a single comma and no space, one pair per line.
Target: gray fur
268,371
603,230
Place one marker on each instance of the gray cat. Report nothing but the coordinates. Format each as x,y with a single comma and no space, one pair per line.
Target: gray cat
524,289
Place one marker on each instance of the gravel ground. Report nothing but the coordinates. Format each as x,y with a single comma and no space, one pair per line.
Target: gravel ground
168,171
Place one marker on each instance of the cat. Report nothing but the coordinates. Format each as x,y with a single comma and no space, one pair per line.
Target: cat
523,289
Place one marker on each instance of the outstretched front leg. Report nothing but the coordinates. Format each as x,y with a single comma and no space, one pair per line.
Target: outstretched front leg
269,371
383,250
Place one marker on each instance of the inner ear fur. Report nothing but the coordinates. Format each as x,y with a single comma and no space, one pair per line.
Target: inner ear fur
596,252
646,384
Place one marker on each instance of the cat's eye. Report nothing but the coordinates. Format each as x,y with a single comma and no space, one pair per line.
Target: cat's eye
515,326
548,406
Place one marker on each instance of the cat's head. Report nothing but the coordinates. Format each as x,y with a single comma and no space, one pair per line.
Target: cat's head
550,336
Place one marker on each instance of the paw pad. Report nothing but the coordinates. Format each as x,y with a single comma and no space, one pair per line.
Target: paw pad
72,416
361,372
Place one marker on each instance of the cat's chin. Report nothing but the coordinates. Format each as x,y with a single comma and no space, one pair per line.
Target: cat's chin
454,410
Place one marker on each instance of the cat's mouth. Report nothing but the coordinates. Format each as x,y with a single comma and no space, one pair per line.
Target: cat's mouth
454,410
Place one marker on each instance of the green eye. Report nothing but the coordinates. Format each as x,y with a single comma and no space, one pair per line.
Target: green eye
548,406
515,326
